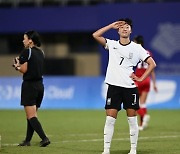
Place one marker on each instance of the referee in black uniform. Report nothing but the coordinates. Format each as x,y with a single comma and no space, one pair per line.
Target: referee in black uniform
30,64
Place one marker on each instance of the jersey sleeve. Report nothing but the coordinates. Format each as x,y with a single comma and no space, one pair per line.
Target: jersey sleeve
107,44
150,53
25,56
144,54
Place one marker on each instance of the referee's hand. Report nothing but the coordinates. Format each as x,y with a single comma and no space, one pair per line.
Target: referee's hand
16,64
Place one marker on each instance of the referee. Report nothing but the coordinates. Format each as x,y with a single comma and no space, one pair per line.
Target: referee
123,56
30,64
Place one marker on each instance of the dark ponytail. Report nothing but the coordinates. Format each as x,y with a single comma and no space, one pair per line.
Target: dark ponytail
34,36
139,40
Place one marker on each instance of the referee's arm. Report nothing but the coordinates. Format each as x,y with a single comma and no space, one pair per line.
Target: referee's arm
23,68
20,67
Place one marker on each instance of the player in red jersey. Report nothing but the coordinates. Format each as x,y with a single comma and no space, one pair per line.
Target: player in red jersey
144,87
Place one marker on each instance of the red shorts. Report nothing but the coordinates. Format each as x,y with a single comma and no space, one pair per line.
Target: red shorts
144,85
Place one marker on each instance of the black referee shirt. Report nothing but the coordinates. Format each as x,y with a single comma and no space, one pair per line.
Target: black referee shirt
35,59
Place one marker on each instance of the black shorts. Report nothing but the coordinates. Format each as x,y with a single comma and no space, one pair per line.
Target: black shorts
32,93
116,96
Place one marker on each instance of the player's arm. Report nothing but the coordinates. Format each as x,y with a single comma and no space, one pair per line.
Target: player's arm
151,65
97,35
153,77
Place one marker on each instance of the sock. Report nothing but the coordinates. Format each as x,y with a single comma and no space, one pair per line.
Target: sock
134,131
108,132
37,127
29,132
142,111
141,114
145,110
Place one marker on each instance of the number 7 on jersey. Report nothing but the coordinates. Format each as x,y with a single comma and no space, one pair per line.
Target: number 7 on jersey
122,58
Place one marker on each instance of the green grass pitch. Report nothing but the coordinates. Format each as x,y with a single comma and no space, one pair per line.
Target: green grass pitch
81,132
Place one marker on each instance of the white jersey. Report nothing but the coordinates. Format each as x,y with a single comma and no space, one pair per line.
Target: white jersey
122,59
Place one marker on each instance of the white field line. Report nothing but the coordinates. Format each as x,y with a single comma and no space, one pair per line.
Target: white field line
99,140
124,139
121,133
92,134
9,145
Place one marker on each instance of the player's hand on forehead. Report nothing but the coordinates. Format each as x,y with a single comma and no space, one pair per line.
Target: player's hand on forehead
118,24
121,23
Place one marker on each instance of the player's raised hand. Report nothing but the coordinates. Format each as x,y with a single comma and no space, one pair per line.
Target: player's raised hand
117,24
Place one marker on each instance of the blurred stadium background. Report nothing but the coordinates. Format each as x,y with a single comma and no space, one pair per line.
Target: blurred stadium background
74,72
75,64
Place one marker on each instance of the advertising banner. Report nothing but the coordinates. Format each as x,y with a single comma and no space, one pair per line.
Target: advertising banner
85,93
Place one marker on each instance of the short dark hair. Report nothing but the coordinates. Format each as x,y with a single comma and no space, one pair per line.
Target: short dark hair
127,20
34,36
139,39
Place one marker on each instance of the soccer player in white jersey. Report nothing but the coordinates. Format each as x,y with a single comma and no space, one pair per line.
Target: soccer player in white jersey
124,54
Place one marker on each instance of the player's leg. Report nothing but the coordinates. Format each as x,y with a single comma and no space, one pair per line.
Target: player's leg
131,104
143,89
112,107
133,128
143,108
111,115
142,111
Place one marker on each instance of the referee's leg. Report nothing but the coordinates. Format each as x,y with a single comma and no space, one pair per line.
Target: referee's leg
31,113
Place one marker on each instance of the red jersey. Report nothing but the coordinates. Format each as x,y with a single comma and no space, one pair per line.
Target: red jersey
141,67
144,85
